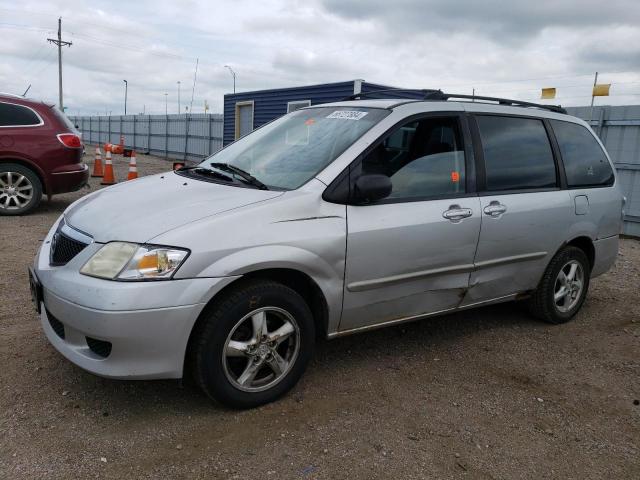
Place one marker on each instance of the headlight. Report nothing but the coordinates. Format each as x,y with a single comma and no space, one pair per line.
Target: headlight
130,261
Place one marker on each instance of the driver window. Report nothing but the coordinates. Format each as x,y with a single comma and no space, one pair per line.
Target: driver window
423,158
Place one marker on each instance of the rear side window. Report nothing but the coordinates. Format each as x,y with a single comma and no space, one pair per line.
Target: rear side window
517,153
17,116
584,160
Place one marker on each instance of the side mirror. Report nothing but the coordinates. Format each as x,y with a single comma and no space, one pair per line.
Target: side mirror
372,187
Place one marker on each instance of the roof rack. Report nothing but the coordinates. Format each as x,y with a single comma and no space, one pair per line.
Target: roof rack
439,95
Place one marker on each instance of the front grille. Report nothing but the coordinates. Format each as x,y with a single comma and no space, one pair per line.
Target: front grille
56,324
64,248
99,347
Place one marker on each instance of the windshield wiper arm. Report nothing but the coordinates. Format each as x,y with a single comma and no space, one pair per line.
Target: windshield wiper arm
242,173
207,172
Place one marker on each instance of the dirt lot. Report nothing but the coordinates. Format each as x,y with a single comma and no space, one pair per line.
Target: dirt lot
489,393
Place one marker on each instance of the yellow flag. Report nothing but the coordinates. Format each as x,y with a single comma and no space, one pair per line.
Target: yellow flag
548,93
601,90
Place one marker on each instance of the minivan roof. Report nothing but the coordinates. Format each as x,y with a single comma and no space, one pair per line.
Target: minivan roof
469,106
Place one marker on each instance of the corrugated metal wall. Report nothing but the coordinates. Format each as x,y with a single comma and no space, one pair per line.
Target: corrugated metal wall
619,129
192,136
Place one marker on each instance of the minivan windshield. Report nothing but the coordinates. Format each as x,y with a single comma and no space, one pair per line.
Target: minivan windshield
291,150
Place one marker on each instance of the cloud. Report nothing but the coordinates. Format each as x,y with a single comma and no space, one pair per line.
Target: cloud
496,19
498,48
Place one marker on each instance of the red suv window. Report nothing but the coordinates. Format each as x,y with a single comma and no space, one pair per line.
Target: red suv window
17,115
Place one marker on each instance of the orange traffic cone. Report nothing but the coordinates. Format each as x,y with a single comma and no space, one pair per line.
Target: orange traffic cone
97,164
133,167
109,178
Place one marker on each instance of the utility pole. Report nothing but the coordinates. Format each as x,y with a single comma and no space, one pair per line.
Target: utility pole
595,82
233,74
60,43
165,104
126,88
178,96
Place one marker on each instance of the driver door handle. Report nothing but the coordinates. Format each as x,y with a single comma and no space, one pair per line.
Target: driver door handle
456,213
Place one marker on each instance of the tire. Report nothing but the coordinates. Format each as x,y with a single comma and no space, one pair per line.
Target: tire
16,183
544,305
228,362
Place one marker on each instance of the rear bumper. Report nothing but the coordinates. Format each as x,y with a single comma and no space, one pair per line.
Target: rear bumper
68,178
606,252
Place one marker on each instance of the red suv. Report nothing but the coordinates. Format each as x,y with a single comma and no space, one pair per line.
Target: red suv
40,152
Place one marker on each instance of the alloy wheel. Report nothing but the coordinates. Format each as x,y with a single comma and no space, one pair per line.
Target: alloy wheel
568,286
16,191
261,349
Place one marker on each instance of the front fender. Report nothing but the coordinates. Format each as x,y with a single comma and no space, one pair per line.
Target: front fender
329,277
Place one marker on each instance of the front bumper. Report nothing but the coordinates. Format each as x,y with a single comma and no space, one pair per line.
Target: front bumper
146,325
142,344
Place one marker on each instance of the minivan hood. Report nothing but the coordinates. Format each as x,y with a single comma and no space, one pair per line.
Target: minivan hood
139,210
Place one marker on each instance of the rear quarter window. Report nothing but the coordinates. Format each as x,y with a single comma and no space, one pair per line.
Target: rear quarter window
12,115
585,163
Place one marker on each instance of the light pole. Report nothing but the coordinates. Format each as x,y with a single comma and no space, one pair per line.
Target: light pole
178,96
165,103
233,74
126,87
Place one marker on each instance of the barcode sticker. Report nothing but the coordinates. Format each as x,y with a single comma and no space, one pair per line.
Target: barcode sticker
347,114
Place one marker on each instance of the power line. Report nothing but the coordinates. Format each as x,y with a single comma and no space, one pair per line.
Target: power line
50,61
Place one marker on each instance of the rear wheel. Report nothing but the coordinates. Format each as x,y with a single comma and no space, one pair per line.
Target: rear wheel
253,345
20,189
563,287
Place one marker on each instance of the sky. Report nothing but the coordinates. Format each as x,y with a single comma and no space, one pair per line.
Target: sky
501,48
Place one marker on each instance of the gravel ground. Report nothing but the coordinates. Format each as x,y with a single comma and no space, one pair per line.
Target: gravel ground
488,393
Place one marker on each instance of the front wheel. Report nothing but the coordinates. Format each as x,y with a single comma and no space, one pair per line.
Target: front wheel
563,287
253,345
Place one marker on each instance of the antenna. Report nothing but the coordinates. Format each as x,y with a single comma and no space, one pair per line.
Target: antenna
193,89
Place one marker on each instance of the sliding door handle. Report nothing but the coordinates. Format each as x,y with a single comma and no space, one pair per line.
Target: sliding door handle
495,209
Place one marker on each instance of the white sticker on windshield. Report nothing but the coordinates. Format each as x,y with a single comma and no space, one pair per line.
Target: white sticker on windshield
347,114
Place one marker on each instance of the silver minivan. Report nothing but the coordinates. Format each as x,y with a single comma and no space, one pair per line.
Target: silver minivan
331,220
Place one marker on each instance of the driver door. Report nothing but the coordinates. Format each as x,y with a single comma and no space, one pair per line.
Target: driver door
411,253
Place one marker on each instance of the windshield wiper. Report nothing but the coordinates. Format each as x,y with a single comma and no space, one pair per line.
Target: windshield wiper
207,172
250,179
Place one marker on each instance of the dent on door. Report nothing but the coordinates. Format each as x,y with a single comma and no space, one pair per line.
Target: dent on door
408,260
519,235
